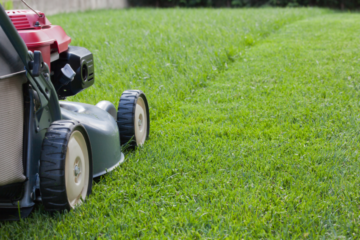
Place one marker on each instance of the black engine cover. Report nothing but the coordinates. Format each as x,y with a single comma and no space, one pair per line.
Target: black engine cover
81,61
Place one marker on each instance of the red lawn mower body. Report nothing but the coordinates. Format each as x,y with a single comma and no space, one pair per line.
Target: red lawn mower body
38,34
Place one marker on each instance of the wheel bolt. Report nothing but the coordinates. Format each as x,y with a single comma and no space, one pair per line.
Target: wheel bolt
77,170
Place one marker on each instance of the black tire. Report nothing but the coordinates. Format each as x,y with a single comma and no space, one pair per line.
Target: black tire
53,160
126,118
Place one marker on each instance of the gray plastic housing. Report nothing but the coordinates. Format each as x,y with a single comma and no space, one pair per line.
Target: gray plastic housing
103,134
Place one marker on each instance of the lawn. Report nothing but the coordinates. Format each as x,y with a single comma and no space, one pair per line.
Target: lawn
254,126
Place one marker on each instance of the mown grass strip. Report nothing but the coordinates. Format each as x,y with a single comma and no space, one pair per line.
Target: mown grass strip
275,147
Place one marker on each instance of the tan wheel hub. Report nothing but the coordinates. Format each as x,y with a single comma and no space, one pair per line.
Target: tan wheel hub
76,169
140,122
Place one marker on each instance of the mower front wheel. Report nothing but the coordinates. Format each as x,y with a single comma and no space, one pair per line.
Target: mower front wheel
65,166
133,118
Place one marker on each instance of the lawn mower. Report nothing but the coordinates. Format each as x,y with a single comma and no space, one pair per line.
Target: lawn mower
50,150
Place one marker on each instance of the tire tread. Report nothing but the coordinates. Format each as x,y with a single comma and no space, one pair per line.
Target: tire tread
52,165
126,115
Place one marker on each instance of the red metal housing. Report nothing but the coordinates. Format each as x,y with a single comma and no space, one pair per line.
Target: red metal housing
39,34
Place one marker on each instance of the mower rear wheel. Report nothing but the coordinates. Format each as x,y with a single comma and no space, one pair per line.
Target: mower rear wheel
133,118
65,166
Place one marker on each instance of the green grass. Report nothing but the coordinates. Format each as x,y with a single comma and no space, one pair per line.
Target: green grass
167,53
254,133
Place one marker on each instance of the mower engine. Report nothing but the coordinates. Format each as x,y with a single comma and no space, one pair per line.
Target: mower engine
71,68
